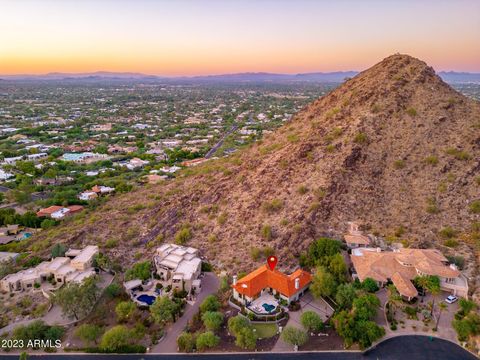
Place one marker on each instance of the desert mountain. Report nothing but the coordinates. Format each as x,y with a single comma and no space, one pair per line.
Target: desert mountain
394,148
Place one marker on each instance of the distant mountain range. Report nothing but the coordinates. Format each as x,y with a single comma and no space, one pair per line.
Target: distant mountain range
336,77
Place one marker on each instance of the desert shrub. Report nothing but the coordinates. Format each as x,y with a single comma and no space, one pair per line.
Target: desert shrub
448,232
268,251
293,336
186,342
302,190
399,164
474,207
222,218
266,232
432,206
183,235
411,111
330,148
111,243
212,320
360,138
272,206
210,303
451,243
458,154
255,253
431,160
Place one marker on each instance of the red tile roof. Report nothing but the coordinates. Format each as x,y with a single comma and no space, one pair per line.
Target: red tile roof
75,208
263,277
49,210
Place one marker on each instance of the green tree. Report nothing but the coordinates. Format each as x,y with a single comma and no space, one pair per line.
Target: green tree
38,330
116,338
207,340
246,338
164,310
367,332
89,333
142,271
236,323
345,295
241,328
311,321
76,299
365,307
48,223
370,285
210,303
338,267
323,283
293,336
320,251
113,290
125,310
212,320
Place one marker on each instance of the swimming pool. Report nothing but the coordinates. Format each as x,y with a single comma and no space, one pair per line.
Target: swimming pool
147,299
268,308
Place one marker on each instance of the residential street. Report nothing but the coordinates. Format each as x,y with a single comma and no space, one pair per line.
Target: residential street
403,347
168,344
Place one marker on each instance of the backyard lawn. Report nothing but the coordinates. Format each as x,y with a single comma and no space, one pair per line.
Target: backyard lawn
265,331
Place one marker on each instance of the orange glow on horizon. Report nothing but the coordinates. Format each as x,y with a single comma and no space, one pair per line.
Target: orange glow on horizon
185,37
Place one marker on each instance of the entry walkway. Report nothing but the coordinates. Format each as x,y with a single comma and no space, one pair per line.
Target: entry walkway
168,344
308,303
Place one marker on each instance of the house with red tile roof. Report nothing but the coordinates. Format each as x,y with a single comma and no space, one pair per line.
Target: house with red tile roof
59,212
264,281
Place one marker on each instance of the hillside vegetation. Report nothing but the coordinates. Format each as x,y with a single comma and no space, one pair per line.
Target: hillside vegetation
394,148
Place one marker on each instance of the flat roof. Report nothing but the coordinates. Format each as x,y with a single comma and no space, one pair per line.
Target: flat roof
86,254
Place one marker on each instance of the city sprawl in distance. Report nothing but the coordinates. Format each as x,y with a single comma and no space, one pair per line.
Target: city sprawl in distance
241,185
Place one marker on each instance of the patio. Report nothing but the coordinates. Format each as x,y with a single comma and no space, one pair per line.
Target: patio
264,299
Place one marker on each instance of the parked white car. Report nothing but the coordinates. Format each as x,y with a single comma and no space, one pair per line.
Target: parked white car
451,299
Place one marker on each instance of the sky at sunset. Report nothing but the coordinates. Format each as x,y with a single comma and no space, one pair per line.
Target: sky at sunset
181,37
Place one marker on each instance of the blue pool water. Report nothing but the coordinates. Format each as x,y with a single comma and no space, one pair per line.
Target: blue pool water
147,299
268,307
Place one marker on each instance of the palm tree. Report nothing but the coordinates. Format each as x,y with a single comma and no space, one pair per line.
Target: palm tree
394,298
441,307
433,287
422,281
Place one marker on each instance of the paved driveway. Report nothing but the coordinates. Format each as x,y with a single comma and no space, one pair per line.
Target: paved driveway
168,344
308,303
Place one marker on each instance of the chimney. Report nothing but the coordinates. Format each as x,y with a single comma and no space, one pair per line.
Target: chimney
234,279
297,283
453,267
